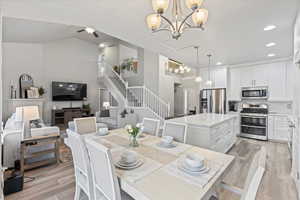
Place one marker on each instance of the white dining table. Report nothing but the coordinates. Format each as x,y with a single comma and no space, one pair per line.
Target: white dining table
159,178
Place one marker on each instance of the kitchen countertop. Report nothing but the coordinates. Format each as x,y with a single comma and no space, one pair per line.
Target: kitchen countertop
205,119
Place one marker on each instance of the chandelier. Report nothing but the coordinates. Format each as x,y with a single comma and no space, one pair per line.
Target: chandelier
195,19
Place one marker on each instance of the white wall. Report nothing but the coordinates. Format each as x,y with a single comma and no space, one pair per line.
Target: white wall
69,60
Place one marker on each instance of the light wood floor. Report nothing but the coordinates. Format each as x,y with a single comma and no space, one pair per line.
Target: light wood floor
57,182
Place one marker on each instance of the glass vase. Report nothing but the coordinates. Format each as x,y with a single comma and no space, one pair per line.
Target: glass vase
133,141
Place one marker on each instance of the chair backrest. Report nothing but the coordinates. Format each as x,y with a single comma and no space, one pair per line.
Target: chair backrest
151,126
176,130
81,161
79,152
105,180
85,125
255,174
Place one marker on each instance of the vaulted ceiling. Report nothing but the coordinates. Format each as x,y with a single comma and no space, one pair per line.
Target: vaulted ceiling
234,32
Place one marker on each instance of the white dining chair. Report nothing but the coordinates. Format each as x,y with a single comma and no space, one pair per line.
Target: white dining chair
253,180
106,185
83,173
176,130
151,126
85,125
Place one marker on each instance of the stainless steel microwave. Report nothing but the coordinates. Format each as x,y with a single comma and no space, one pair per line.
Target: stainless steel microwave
255,93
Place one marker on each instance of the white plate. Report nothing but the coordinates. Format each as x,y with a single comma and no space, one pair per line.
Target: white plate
193,169
138,164
181,167
125,164
164,145
101,134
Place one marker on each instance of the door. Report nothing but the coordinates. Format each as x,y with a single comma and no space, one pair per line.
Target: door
247,77
277,81
219,78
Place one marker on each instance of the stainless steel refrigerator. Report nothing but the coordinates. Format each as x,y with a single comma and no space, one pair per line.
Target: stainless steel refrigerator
213,101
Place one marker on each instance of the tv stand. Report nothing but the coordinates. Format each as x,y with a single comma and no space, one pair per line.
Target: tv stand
61,117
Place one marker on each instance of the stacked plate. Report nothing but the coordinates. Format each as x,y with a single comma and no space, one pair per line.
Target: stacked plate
166,142
193,164
129,160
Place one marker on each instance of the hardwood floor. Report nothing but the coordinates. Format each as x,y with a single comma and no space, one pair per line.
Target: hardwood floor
57,182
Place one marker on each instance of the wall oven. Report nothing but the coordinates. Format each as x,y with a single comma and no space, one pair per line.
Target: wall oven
254,121
254,93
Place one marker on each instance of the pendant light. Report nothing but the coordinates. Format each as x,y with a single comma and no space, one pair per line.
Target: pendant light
209,81
198,78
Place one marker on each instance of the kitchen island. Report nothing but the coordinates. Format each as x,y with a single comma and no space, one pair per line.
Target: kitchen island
212,131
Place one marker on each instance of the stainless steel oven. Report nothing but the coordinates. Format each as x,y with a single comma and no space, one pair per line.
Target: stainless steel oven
254,93
254,121
254,126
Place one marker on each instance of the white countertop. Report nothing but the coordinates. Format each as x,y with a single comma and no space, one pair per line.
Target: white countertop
205,119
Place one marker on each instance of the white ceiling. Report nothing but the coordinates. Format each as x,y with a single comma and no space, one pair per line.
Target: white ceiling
28,31
234,32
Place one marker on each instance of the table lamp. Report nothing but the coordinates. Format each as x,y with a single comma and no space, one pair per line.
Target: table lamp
26,114
106,105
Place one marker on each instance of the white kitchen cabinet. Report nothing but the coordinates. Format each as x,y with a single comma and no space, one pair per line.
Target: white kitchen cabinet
277,81
234,91
278,128
254,76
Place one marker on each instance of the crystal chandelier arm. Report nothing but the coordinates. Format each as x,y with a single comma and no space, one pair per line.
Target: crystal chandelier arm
161,29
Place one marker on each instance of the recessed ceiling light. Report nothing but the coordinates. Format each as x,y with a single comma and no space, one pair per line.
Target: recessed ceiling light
102,45
89,30
219,63
269,27
271,44
271,54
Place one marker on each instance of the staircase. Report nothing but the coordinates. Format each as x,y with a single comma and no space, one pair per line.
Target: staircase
133,97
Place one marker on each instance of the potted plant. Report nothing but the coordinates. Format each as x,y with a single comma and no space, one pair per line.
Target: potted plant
41,91
134,131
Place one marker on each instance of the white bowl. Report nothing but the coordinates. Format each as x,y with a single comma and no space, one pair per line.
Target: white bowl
167,139
103,131
194,160
128,157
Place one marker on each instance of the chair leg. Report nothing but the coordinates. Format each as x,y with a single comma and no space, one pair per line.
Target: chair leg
77,193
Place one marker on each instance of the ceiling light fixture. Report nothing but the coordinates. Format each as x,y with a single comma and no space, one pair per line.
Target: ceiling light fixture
219,63
89,30
102,45
271,54
269,27
271,44
179,23
209,82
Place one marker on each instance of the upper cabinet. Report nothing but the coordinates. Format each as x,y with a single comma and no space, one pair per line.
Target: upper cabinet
274,75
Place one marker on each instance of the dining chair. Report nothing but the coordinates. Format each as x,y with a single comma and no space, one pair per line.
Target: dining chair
83,173
253,180
85,125
151,126
176,130
106,185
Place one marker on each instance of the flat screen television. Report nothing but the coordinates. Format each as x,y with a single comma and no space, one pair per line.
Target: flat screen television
63,91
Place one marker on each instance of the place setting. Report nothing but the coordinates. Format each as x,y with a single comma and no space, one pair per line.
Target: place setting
166,142
193,164
102,132
129,160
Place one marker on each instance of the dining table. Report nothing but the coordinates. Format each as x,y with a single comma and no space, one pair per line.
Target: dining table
159,177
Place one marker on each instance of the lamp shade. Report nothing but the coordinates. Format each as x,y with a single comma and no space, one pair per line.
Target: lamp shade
193,4
27,113
106,104
160,6
200,17
153,21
